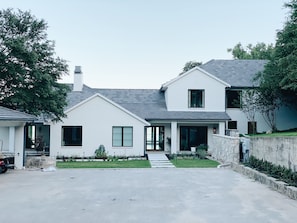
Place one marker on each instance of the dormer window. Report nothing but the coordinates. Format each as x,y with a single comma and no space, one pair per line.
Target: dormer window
196,98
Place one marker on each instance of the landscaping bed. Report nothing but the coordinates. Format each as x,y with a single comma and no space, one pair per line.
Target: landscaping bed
273,183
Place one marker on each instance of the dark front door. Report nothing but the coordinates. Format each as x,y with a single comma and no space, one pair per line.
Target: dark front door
192,136
155,138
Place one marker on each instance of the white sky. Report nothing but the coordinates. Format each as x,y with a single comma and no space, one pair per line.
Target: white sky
144,43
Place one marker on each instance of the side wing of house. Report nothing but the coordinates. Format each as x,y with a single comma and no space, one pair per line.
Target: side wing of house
98,121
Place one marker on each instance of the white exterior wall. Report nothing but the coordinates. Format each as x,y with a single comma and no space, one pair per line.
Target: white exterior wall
12,140
4,136
97,117
176,94
285,119
19,147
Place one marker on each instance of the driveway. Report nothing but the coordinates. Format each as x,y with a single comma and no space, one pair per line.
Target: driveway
140,195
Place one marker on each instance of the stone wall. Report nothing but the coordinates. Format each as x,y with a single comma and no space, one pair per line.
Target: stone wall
273,183
225,148
277,150
41,162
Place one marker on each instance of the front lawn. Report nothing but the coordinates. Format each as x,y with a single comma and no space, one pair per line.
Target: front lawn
105,164
194,163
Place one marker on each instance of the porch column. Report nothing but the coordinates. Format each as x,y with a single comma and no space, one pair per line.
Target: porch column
173,137
11,146
222,128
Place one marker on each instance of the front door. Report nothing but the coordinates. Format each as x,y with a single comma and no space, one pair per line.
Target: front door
154,138
192,136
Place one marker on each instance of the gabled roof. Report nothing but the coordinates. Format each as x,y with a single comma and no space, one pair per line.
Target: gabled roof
7,114
237,73
164,86
110,102
147,104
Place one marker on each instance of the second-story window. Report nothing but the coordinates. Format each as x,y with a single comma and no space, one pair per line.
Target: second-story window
196,98
233,98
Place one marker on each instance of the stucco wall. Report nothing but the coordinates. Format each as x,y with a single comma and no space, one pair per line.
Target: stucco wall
97,117
4,136
177,92
278,150
285,119
224,148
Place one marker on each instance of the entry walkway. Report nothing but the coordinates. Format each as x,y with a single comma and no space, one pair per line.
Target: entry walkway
159,160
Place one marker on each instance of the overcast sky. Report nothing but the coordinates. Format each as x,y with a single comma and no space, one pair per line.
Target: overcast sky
144,43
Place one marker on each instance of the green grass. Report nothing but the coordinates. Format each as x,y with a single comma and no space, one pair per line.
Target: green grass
276,134
194,163
105,164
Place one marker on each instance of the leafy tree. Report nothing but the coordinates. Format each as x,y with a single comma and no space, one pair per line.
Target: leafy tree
259,51
190,65
29,69
249,103
278,81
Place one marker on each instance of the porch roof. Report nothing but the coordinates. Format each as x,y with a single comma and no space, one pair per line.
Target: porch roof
7,114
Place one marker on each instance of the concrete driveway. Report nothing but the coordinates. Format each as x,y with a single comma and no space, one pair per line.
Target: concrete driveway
140,195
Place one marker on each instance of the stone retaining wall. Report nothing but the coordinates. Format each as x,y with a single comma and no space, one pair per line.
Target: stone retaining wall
225,148
42,162
273,183
277,150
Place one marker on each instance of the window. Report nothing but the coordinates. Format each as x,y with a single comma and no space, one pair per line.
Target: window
233,98
196,98
122,136
71,135
232,124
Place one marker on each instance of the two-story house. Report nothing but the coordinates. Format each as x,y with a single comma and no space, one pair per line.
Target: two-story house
184,113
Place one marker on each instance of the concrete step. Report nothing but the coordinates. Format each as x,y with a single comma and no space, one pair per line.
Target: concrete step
159,160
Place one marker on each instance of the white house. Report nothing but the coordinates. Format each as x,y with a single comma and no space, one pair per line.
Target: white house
184,113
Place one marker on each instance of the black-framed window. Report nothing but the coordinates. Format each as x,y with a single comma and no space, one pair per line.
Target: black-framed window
233,98
196,98
71,135
232,124
122,136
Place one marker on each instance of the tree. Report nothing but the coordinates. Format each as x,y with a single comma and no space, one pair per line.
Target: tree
190,65
279,78
259,51
29,69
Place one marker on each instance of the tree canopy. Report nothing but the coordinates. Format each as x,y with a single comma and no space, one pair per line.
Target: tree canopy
189,65
29,68
280,73
260,51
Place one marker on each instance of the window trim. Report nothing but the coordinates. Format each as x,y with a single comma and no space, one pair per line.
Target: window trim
63,141
122,136
232,122
229,104
190,91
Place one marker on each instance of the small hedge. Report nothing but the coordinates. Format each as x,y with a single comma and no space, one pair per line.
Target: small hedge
279,172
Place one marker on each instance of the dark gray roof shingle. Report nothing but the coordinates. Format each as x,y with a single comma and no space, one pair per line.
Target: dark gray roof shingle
7,114
148,104
237,73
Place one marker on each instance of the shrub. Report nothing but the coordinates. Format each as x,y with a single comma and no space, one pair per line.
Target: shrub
276,171
100,152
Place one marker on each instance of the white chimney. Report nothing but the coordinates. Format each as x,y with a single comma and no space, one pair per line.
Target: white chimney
78,79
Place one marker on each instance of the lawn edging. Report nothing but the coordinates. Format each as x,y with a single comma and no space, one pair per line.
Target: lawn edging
271,182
